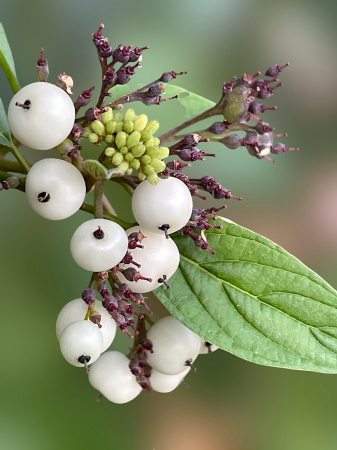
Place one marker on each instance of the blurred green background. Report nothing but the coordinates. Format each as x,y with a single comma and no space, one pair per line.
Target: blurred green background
230,404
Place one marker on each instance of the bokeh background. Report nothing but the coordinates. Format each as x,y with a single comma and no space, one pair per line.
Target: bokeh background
230,404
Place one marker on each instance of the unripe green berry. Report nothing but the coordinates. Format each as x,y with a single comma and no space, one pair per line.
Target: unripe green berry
93,138
146,159
140,122
153,178
111,126
128,127
124,150
135,164
120,139
119,117
158,165
123,166
152,151
138,150
97,127
110,151
117,159
107,116
163,152
129,115
148,170
152,126
109,138
150,142
86,132
133,139
128,156
119,127
141,176
129,171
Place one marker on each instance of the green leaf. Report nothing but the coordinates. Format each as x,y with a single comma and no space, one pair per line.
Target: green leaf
95,169
119,91
4,127
7,61
193,103
254,300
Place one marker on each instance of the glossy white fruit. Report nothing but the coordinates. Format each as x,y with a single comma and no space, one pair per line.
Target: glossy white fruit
173,345
49,119
112,377
206,347
81,338
167,203
161,382
76,310
62,182
160,256
97,255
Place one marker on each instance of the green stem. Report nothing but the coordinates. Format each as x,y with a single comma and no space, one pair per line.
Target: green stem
98,199
11,77
127,187
106,215
22,160
11,166
148,319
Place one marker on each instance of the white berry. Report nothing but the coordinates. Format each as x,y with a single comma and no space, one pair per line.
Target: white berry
166,205
163,383
47,119
159,257
55,189
206,347
112,377
76,310
173,346
98,245
81,339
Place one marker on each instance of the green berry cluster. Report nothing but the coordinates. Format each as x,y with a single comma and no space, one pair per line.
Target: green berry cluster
131,144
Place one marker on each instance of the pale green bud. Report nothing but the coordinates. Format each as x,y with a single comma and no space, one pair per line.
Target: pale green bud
146,159
133,139
129,171
107,116
93,138
128,156
163,152
109,138
119,117
123,166
153,178
146,135
119,127
140,122
110,151
120,139
152,151
138,150
135,164
150,142
148,170
152,126
156,142
97,127
128,127
111,127
141,176
158,165
124,150
117,159
87,131
129,115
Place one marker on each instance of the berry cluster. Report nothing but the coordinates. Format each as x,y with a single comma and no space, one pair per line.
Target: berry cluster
128,260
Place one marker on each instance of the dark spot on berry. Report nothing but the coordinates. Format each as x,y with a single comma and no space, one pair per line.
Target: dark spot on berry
43,197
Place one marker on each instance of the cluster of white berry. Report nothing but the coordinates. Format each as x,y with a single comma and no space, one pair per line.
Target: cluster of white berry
41,116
